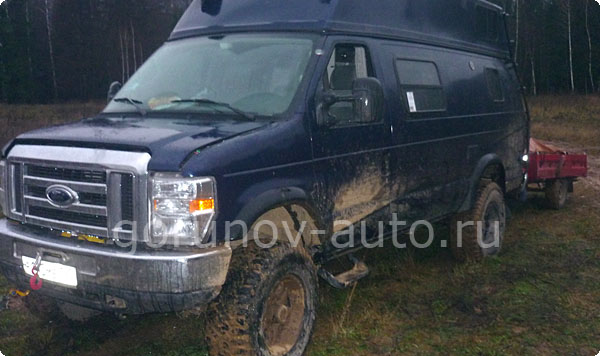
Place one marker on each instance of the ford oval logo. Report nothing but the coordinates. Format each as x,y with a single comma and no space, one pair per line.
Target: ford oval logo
61,196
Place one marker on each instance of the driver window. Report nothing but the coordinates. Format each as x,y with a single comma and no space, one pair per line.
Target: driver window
347,63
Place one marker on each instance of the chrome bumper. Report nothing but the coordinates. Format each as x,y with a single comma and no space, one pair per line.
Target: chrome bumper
111,279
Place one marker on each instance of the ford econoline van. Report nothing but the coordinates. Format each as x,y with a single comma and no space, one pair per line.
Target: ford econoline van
264,139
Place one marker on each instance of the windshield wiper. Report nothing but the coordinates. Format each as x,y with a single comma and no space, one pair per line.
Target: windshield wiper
132,102
245,115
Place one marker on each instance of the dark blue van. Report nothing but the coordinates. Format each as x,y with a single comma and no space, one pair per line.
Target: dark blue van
304,124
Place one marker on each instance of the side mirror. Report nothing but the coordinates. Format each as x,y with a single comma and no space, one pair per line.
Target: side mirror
366,98
369,99
113,90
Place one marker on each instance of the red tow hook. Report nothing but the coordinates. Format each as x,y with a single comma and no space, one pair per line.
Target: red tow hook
35,282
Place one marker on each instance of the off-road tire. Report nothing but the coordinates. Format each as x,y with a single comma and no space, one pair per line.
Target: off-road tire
557,193
234,325
489,196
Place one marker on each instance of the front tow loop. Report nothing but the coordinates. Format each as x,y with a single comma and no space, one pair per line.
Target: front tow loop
35,282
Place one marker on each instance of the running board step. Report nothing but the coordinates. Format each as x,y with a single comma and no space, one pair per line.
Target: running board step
348,278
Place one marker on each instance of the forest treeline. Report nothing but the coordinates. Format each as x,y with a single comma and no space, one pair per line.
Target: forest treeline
63,50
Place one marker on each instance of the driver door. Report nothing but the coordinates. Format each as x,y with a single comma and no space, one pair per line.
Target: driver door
352,155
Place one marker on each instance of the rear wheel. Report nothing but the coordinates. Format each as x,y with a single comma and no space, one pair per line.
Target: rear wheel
557,193
268,305
489,213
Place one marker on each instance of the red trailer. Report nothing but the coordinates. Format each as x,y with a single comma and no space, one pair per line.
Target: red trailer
553,171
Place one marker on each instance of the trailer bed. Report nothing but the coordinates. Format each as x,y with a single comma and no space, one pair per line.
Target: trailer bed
547,162
554,170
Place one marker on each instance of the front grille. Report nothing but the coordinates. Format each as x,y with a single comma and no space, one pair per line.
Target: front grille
127,200
75,218
17,173
74,175
84,198
105,198
104,191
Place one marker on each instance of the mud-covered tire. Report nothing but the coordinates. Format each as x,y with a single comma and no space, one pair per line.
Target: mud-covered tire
237,321
557,193
489,208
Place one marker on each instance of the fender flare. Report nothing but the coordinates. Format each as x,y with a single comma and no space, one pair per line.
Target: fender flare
269,200
487,161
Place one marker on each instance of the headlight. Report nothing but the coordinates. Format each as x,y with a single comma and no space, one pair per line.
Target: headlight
182,209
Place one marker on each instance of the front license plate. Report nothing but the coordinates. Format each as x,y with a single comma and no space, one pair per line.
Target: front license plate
52,272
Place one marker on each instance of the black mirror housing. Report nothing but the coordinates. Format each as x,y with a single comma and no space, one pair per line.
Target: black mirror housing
369,99
114,88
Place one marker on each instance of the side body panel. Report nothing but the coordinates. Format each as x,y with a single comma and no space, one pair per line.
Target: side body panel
352,161
436,153
258,171
418,165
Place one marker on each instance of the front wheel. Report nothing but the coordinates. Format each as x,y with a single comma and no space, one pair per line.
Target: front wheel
268,305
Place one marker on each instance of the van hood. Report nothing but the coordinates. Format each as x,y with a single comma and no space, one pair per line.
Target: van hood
170,141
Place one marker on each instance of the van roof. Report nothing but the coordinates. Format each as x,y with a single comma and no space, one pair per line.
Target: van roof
474,25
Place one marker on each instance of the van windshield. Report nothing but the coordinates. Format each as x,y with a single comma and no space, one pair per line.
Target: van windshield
231,75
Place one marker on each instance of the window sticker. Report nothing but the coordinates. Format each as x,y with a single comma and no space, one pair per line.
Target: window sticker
412,105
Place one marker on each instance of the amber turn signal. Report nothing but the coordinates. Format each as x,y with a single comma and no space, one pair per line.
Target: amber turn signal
202,205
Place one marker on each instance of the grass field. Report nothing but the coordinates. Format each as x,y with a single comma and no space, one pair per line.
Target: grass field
540,297
572,119
17,119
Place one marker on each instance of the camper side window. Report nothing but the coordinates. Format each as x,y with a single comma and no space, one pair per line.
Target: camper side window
348,62
421,86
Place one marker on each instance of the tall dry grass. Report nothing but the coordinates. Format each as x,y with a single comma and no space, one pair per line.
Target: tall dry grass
17,119
571,119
